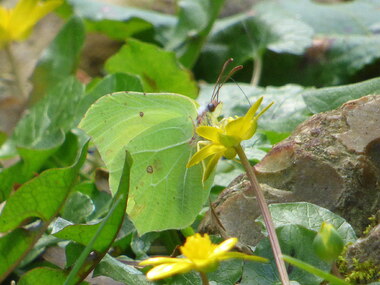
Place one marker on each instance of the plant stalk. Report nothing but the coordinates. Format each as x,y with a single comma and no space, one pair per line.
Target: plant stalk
256,189
257,69
204,278
15,70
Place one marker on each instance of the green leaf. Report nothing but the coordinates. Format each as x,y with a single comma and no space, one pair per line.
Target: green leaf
228,273
247,36
40,132
309,216
67,152
345,37
141,244
119,30
100,199
39,247
41,197
191,278
106,231
157,130
296,241
44,275
59,60
77,208
195,20
119,271
13,248
72,252
124,237
45,125
122,21
345,42
326,99
14,176
354,17
158,70
33,159
346,55
101,235
226,171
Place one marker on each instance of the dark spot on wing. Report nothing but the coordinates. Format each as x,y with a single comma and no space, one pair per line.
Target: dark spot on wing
141,114
149,169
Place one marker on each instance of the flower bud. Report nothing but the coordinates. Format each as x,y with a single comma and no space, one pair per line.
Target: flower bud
328,244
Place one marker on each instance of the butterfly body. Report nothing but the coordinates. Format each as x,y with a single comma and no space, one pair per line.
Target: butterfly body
207,110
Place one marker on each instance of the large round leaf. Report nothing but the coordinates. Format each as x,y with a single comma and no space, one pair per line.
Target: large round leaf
157,130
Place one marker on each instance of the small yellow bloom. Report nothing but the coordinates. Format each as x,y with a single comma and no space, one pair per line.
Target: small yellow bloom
224,137
16,23
200,255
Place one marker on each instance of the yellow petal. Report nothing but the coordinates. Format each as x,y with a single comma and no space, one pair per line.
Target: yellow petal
209,133
236,128
225,246
26,14
245,127
250,129
4,24
211,164
205,152
4,17
198,247
158,260
264,110
229,255
167,270
253,109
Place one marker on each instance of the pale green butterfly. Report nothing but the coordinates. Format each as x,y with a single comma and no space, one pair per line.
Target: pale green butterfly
157,129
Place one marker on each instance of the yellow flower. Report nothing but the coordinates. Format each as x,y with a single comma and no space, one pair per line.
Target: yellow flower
200,254
16,23
225,137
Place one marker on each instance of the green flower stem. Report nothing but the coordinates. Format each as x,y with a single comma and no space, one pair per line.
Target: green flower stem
15,70
204,278
257,69
256,189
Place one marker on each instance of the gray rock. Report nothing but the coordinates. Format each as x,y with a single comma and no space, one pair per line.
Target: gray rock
366,249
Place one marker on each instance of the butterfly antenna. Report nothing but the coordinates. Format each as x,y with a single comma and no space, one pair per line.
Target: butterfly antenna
228,76
241,89
219,82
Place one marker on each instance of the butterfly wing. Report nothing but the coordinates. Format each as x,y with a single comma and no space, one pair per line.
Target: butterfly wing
157,130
